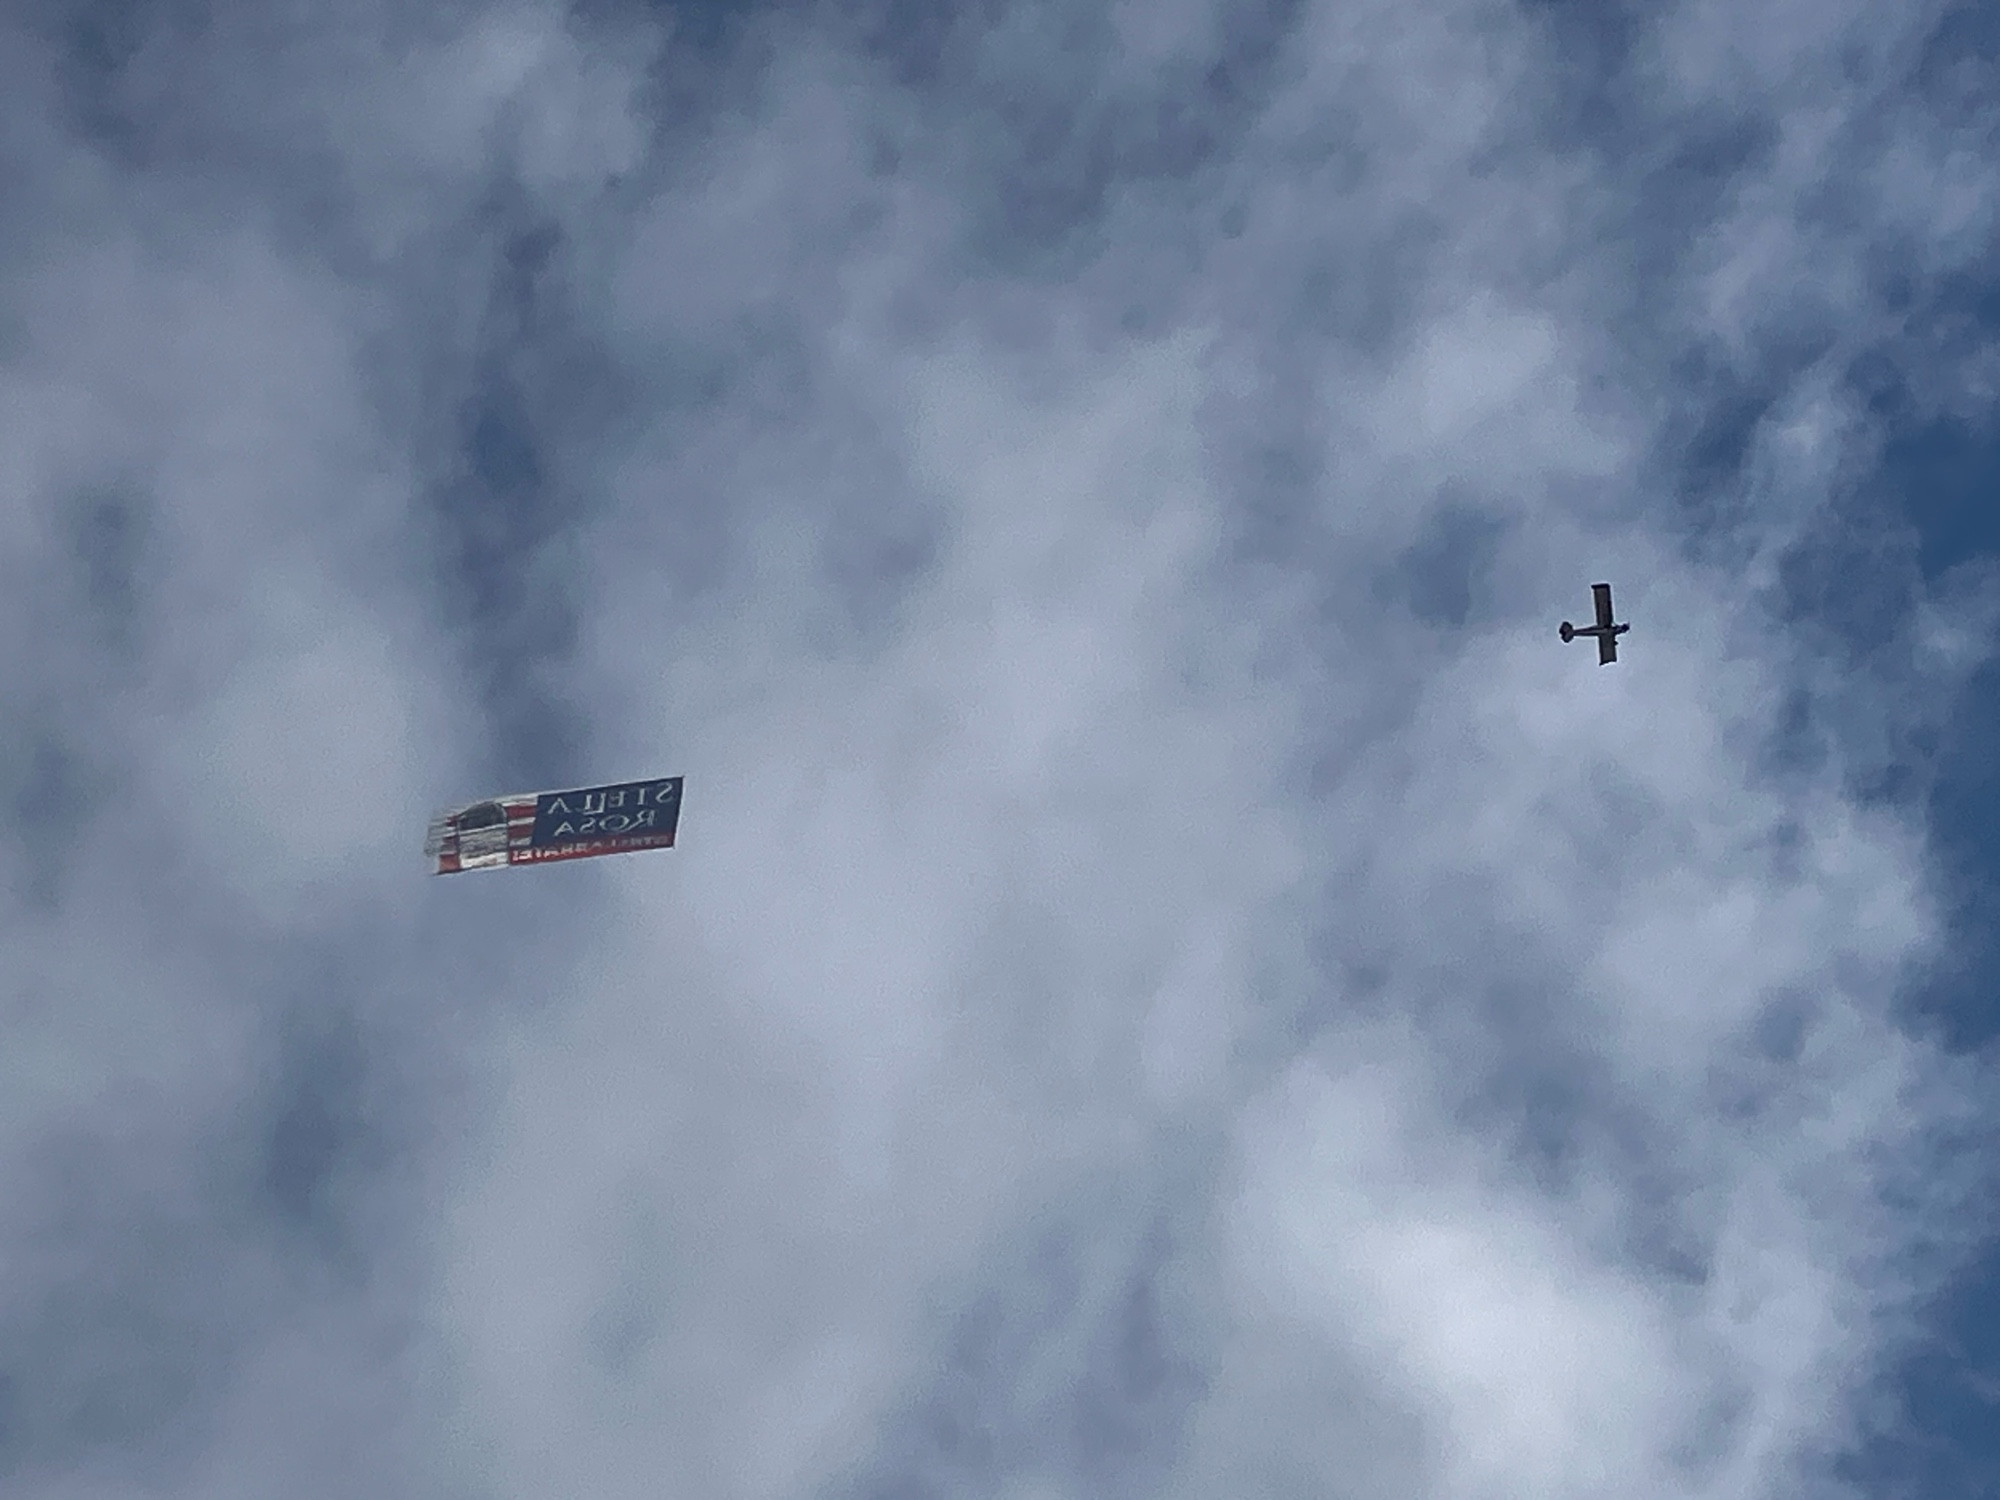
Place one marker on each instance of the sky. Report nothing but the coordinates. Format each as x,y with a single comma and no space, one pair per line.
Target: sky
1174,982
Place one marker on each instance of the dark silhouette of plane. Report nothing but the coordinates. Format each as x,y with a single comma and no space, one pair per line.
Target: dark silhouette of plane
1607,634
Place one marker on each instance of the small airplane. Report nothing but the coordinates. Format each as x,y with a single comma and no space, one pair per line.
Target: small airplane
1607,634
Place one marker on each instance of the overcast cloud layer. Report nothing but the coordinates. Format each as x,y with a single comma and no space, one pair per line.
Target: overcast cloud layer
1175,983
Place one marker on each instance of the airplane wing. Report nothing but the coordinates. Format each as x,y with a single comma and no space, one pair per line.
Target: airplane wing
1600,595
1607,650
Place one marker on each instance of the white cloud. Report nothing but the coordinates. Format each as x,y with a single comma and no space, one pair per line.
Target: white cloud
1134,1010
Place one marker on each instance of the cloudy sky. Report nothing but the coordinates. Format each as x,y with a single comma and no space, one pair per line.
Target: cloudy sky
1175,982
